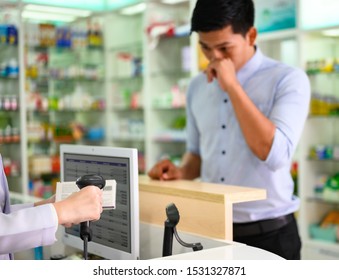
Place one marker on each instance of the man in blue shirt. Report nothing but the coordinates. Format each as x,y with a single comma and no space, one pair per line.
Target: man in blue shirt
245,115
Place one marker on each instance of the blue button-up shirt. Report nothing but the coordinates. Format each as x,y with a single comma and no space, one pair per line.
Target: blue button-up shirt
282,94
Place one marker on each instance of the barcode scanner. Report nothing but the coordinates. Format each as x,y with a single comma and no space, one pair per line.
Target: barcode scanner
173,218
82,182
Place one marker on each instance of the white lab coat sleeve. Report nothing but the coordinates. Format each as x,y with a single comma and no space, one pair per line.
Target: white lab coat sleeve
28,228
16,207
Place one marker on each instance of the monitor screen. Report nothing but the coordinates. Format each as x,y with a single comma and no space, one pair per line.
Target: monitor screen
116,234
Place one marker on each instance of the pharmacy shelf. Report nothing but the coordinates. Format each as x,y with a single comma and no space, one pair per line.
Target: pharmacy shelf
171,61
319,56
125,82
11,117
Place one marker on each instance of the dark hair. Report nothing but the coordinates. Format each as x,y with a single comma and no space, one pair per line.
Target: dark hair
212,15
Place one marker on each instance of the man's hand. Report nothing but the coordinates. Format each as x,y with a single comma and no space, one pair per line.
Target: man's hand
165,170
224,71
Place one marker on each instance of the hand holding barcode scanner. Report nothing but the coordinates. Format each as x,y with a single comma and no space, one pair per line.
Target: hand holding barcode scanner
85,230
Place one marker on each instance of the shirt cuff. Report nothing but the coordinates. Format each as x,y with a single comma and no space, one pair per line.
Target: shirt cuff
278,155
54,214
50,218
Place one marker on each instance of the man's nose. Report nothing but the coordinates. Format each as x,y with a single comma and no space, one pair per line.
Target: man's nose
216,54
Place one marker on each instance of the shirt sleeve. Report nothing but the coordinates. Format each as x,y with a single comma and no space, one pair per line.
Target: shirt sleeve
28,228
193,139
289,113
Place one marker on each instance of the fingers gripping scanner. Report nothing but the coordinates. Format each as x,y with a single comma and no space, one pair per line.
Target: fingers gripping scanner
173,218
85,230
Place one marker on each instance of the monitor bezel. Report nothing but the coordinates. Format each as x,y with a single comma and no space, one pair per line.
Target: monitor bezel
95,248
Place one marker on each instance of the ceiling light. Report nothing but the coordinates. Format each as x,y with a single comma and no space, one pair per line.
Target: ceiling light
331,32
132,10
173,2
57,10
47,16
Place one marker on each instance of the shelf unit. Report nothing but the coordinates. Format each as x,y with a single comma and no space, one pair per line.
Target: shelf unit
146,97
170,59
125,82
64,94
41,97
320,51
11,116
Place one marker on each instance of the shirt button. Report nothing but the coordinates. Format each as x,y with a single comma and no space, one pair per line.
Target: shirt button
223,152
223,126
225,100
222,179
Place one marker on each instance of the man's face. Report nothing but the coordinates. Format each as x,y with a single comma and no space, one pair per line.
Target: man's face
226,44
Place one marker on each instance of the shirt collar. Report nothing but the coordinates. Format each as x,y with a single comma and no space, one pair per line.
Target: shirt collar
250,67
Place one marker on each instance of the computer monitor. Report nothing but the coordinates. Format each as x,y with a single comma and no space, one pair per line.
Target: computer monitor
116,234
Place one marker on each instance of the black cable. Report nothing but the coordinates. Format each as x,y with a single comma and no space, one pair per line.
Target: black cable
85,239
195,246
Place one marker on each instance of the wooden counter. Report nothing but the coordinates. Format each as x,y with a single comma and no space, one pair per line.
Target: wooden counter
205,208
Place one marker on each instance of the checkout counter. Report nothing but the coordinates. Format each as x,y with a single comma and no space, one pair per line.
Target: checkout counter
205,209
206,216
